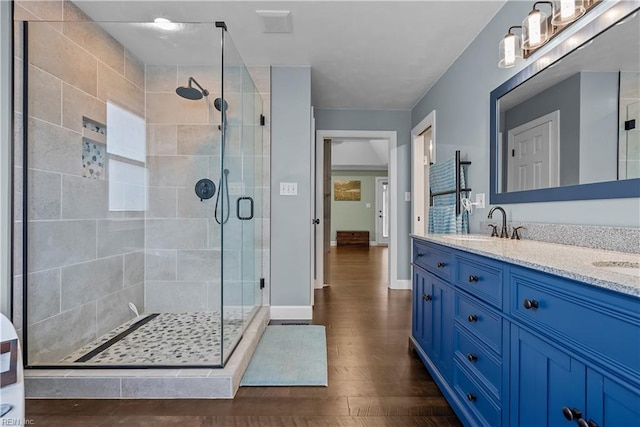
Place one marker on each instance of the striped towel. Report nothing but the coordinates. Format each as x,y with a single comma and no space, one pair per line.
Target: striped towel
443,219
442,177
442,215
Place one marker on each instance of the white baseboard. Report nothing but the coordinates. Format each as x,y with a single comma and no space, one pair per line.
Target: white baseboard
334,243
291,312
401,284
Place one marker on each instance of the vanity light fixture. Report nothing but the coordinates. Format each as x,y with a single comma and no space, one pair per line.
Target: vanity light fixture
538,28
535,27
567,11
510,49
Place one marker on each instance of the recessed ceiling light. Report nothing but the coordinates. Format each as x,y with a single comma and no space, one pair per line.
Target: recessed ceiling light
276,21
166,24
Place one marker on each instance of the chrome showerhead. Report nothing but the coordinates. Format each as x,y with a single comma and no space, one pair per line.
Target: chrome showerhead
191,92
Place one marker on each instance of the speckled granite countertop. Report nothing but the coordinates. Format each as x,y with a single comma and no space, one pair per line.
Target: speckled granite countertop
572,262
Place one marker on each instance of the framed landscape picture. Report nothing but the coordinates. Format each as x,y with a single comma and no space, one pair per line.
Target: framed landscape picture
346,190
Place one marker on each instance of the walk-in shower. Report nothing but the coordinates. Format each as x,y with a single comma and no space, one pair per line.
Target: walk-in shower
132,257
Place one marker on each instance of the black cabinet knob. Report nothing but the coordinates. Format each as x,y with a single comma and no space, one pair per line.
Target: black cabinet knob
590,423
419,255
440,264
473,278
530,303
571,414
426,297
472,357
471,397
472,318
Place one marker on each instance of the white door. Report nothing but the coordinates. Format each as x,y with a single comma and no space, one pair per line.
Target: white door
533,162
382,211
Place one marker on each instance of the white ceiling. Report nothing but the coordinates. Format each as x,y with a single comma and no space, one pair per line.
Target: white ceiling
359,154
363,54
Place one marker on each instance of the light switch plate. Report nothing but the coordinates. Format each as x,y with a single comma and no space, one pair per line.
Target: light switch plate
407,196
288,188
479,201
368,205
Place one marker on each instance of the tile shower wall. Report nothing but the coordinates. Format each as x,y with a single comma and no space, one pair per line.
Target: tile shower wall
182,241
86,261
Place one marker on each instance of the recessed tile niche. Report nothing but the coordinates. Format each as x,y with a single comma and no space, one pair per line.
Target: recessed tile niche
94,149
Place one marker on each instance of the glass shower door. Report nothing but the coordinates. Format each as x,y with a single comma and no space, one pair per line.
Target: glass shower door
241,161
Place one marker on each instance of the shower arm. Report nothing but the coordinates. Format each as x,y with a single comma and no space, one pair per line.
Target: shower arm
203,90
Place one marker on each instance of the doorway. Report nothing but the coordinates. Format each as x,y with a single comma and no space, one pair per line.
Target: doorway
382,211
390,138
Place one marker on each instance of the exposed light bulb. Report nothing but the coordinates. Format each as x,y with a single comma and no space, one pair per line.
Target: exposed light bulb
567,9
534,28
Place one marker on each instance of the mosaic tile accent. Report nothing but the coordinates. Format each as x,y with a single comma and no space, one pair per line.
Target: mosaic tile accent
169,339
93,159
620,239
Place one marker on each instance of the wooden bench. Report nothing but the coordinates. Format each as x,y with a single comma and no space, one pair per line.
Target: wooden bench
352,238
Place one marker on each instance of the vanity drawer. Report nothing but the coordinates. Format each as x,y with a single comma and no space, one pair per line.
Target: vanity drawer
436,260
487,412
605,326
480,277
480,321
479,360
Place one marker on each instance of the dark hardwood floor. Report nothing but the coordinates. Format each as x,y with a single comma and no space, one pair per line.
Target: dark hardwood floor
373,379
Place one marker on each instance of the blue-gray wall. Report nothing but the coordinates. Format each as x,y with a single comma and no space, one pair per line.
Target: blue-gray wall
598,126
291,162
461,99
382,120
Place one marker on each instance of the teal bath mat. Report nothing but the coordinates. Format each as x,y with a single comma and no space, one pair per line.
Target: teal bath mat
289,356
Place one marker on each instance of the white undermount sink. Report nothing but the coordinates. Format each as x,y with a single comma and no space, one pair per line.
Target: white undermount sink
622,267
468,237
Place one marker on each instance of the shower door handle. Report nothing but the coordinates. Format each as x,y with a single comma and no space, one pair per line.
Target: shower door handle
240,200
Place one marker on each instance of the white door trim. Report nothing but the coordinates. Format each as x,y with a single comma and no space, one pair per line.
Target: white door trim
379,239
554,145
392,136
420,215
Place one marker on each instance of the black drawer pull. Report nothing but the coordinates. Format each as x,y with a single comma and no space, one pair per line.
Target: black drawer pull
530,303
419,255
571,414
426,297
473,278
472,318
471,397
440,264
472,357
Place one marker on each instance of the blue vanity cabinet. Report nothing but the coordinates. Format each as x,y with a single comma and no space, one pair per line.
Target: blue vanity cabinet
514,346
575,353
544,381
433,319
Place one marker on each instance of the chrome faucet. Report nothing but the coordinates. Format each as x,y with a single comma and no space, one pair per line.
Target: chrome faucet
503,232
